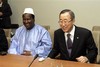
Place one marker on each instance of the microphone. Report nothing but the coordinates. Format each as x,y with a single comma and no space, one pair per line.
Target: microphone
33,60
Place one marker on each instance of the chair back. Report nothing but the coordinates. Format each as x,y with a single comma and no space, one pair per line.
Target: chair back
96,28
8,35
96,36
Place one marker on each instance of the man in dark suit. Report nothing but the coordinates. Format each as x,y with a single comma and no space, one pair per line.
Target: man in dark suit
5,13
3,43
82,46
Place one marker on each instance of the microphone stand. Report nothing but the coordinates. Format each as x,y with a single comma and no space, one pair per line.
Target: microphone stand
33,60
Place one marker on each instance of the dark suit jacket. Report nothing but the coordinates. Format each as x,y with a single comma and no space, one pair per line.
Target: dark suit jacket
83,45
3,41
5,20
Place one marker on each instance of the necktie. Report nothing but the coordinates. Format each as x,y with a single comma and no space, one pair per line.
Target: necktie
69,41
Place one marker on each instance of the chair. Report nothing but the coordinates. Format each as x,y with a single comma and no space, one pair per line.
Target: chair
52,35
47,27
96,36
8,35
96,28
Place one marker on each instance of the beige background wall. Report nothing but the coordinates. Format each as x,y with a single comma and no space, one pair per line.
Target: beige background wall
87,11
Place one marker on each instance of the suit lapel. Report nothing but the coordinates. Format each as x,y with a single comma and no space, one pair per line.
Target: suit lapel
62,39
63,43
75,42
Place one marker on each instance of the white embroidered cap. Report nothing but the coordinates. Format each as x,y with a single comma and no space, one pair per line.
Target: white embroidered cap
28,10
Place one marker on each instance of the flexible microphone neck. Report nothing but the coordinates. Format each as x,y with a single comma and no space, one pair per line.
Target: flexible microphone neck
33,60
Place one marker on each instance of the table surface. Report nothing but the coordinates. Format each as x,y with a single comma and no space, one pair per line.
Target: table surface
24,61
15,60
61,63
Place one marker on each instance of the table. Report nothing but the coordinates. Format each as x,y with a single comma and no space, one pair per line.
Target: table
15,60
24,61
61,63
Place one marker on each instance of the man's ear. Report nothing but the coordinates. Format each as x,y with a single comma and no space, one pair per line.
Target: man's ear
73,20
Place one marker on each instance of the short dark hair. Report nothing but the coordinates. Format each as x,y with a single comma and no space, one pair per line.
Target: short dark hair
70,12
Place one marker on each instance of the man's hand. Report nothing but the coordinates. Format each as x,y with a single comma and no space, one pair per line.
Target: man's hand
82,59
26,53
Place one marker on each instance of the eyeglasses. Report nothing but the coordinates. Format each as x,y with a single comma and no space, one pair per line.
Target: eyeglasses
64,21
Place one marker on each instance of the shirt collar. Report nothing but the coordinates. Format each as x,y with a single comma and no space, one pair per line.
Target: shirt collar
72,31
